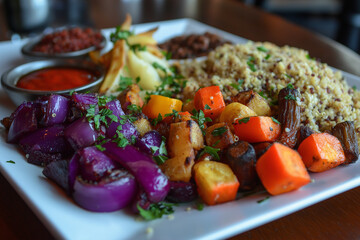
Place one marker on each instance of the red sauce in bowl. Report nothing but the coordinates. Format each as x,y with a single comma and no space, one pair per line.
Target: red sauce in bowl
56,79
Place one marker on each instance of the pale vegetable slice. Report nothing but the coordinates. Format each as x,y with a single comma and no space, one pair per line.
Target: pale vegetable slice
149,78
254,101
127,23
117,63
155,51
151,59
144,38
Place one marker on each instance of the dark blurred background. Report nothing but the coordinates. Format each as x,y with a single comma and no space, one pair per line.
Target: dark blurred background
338,20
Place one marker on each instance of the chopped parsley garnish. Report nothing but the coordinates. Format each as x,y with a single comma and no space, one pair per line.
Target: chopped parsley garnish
134,109
100,141
162,157
156,210
125,118
155,121
251,63
262,94
287,75
200,206
120,34
98,117
275,120
212,151
167,55
237,84
354,88
263,200
199,116
262,49
174,114
219,131
71,92
290,86
244,120
124,83
137,47
290,97
267,56
207,107
120,139
10,161
310,58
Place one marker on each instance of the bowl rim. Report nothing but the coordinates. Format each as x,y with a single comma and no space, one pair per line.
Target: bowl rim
10,84
26,49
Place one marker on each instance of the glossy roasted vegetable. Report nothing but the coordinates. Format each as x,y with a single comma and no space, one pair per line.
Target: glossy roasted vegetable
81,133
219,135
130,96
216,183
261,148
241,157
181,192
109,194
254,101
58,171
56,110
235,111
346,134
303,133
144,169
289,116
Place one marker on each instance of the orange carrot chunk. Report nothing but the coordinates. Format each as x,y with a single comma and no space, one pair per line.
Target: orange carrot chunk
257,129
215,181
281,170
210,100
321,151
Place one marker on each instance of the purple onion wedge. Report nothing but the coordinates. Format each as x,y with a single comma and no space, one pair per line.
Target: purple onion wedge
181,192
47,140
81,133
58,172
150,140
23,121
110,194
147,173
94,164
56,111
74,166
83,100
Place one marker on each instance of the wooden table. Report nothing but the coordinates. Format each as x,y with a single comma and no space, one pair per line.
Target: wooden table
335,218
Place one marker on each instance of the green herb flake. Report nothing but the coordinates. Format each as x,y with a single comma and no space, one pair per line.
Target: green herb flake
10,161
290,97
124,83
354,88
219,131
287,75
212,151
200,206
262,94
162,157
262,49
275,120
290,86
207,107
174,114
251,63
199,116
134,109
263,200
158,66
120,34
156,210
237,84
267,56
167,55
155,121
244,120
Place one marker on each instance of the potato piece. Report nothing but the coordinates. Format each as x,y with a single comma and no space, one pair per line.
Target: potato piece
144,38
216,182
149,78
151,59
184,136
143,126
155,50
127,23
219,135
179,168
254,101
117,64
234,111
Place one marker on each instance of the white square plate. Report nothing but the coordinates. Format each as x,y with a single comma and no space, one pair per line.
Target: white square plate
68,221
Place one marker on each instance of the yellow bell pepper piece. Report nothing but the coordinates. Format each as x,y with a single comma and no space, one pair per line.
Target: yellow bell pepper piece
161,105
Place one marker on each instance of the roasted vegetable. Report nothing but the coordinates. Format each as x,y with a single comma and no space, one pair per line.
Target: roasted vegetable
210,100
142,125
181,192
257,129
281,170
254,101
289,116
303,133
261,148
241,158
219,135
321,152
346,134
161,105
234,111
216,183
184,137
130,96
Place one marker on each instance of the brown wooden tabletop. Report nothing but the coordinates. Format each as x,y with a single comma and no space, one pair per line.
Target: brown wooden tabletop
335,218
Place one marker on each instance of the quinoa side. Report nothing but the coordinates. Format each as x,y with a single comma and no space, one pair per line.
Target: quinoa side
326,99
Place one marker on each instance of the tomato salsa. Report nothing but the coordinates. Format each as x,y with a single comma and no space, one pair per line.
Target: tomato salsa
55,79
